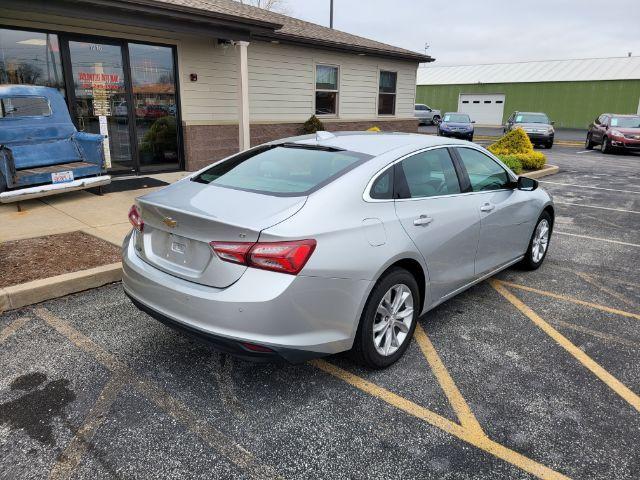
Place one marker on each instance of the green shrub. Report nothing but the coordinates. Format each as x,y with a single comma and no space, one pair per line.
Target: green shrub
313,125
516,141
516,149
513,162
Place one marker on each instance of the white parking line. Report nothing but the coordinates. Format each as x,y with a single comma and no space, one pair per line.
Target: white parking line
598,239
588,186
586,151
594,206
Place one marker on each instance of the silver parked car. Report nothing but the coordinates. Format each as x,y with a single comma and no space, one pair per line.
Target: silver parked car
318,244
426,115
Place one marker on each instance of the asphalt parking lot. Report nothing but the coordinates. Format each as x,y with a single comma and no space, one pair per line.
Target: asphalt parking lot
530,374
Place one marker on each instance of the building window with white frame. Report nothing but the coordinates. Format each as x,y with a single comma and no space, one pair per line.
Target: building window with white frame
327,90
387,93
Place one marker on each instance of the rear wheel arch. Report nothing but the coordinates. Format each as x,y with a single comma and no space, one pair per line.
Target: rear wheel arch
414,268
552,213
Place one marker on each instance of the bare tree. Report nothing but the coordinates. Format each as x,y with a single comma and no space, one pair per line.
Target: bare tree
279,6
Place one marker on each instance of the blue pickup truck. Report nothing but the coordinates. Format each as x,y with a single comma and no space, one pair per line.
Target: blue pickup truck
41,152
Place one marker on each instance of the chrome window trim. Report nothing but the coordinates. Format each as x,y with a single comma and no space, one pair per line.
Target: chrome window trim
366,195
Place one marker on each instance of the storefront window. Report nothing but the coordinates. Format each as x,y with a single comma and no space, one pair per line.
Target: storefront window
154,94
31,58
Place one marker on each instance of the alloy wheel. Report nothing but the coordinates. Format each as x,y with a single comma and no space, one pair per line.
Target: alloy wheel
540,241
393,320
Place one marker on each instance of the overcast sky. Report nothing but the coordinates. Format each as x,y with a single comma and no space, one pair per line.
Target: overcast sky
462,32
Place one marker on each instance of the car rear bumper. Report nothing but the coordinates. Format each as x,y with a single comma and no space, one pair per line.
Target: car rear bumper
297,317
53,189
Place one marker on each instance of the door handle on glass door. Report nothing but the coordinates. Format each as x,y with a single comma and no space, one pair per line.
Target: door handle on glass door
422,221
487,207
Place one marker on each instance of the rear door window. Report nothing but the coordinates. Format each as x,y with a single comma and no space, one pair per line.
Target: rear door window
25,106
427,174
284,170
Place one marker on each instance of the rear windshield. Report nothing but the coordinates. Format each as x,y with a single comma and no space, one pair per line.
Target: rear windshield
12,107
284,170
625,122
457,118
532,118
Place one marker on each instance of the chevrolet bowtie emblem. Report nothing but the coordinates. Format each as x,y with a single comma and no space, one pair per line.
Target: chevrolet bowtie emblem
169,222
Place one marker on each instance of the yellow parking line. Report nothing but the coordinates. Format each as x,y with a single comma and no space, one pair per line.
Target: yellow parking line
612,382
220,442
470,436
567,298
12,328
589,279
72,455
460,406
607,337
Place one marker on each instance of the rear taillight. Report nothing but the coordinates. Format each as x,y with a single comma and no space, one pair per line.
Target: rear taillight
136,218
234,252
285,257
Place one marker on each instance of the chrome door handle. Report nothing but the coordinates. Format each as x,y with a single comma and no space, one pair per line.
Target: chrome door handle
487,207
422,221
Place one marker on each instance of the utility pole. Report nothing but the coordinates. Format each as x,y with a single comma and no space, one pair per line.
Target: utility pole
331,14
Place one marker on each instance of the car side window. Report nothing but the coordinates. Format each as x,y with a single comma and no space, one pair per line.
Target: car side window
426,174
484,173
382,188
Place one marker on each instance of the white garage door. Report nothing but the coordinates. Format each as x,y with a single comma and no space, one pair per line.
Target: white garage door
484,108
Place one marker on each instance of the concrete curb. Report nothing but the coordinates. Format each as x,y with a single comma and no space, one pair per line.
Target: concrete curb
38,291
548,170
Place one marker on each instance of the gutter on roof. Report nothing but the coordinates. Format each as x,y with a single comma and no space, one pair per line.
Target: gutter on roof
197,13
313,42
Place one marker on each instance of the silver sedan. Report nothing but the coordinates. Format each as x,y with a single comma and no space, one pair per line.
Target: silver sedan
318,244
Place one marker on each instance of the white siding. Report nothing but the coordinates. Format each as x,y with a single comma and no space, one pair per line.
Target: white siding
281,77
282,83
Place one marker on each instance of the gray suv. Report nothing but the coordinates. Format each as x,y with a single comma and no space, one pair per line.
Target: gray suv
536,124
426,114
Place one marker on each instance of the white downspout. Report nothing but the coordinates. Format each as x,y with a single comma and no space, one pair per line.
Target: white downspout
243,96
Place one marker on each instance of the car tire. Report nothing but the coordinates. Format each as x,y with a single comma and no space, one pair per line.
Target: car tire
606,145
533,258
470,138
588,143
549,145
365,350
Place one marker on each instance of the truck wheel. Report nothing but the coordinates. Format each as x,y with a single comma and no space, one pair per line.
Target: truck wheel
436,120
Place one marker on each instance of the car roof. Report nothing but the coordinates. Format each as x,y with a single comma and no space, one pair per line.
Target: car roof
629,115
533,113
8,89
372,143
456,113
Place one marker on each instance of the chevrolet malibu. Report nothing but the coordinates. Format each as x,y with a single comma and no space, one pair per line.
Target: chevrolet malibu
318,244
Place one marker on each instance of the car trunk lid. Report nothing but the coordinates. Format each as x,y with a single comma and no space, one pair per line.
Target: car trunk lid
181,220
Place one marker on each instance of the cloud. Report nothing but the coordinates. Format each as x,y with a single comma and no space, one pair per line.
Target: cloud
488,31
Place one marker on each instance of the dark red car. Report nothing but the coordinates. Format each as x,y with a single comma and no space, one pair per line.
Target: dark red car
613,131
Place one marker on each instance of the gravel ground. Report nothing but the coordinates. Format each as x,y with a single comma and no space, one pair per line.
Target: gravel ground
92,388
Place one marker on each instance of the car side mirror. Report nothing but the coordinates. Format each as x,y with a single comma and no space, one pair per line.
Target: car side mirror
553,123
473,121
526,184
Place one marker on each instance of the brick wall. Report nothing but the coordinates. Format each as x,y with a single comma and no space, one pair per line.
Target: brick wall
204,144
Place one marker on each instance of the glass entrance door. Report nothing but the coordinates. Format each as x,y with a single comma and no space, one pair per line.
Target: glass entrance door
100,99
155,106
